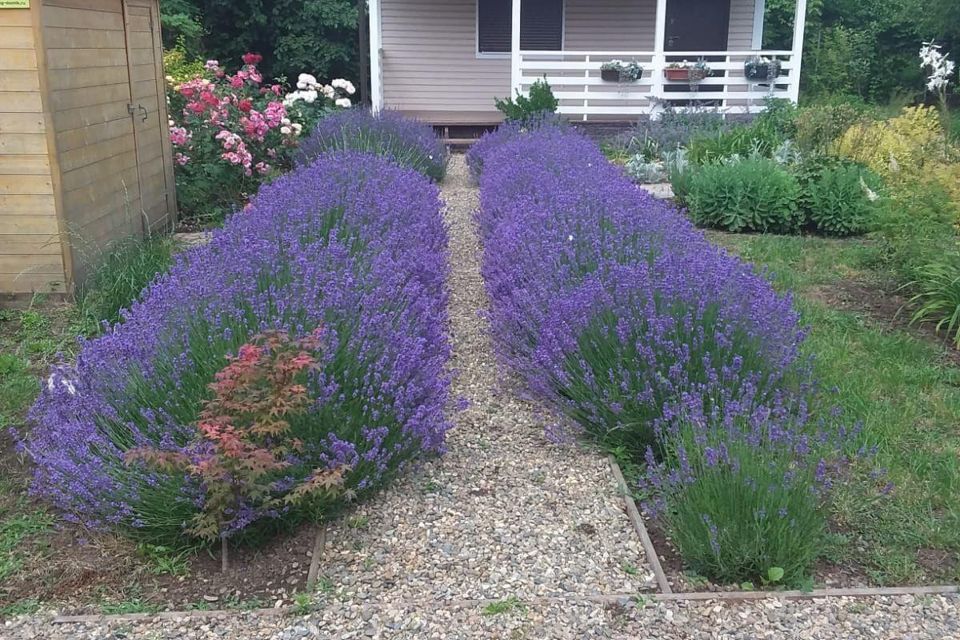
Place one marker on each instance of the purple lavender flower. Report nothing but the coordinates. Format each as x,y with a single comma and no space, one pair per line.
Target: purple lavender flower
351,243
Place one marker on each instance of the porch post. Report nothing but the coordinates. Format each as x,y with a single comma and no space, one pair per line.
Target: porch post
799,24
376,73
515,76
659,59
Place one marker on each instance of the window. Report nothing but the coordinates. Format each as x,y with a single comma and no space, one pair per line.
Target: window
541,25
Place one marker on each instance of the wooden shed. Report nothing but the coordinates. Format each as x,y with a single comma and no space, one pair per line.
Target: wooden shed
85,155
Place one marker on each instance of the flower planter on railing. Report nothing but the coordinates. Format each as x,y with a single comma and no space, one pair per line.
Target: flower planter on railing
619,71
684,74
761,69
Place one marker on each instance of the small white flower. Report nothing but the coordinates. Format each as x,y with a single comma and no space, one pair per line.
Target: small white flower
343,102
284,120
309,96
69,387
285,130
570,238
297,128
328,91
306,81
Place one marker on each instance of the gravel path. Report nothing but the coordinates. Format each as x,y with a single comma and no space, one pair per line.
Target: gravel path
507,517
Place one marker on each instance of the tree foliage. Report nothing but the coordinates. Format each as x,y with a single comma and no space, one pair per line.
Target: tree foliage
864,48
293,36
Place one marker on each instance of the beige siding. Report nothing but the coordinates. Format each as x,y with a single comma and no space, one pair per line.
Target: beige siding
31,256
610,25
430,62
430,65
740,36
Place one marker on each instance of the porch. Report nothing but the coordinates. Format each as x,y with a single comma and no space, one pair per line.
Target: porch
445,62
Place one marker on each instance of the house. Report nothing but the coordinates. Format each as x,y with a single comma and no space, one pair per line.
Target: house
444,61
85,155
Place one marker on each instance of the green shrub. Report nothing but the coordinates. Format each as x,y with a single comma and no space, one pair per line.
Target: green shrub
839,198
818,126
916,228
938,296
539,103
118,277
747,511
748,195
762,137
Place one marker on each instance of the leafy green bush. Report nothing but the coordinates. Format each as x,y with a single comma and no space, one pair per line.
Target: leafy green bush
749,195
818,126
653,139
916,228
119,276
839,198
938,296
760,138
539,103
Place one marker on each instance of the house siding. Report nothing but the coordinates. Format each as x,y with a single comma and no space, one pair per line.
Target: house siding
610,25
430,64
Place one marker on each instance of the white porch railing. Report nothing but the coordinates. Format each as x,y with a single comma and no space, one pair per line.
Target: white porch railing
575,79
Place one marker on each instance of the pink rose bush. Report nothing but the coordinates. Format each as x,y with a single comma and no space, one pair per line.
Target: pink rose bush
231,132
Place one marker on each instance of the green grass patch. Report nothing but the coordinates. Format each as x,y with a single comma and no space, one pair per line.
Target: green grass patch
906,393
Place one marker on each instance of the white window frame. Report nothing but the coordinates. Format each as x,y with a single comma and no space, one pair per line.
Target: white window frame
506,55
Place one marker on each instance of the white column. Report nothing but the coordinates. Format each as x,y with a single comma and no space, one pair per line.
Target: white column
799,24
376,46
759,11
515,48
659,59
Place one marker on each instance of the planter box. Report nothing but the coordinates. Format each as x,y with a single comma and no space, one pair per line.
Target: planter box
614,75
610,75
762,72
677,75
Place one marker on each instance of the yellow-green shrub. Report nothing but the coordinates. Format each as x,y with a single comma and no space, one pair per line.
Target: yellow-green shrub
179,67
904,148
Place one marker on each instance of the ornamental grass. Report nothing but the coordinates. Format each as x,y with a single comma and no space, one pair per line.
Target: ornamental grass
351,249
618,313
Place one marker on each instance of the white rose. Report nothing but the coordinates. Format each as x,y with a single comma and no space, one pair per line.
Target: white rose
306,81
309,96
284,120
297,128
328,91
349,88
343,102
285,130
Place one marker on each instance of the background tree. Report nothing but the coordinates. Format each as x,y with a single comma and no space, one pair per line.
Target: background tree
293,36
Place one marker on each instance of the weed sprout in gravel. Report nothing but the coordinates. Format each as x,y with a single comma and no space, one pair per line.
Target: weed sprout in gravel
618,313
352,245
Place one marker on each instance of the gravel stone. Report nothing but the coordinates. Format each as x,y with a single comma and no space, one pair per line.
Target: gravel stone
503,515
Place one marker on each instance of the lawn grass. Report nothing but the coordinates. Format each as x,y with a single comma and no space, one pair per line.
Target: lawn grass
904,389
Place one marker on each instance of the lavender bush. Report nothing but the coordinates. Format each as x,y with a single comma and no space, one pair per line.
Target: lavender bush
387,133
353,244
613,309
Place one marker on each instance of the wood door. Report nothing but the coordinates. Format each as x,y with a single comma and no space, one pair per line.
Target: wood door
697,25
148,108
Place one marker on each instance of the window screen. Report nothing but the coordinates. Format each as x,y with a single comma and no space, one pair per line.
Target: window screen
541,25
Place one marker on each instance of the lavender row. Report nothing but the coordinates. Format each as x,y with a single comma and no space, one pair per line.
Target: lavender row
351,243
618,313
